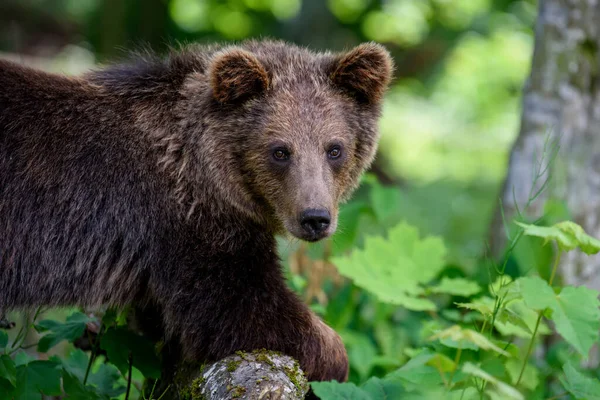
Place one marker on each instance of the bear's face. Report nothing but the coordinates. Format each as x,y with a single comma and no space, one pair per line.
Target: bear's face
309,127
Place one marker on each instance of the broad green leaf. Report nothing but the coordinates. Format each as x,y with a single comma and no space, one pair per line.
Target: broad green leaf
38,377
3,340
22,358
504,389
383,389
417,374
119,342
464,337
575,311
394,269
339,391
70,330
485,308
504,316
530,378
456,287
508,325
567,235
106,379
8,370
442,363
579,385
75,389
505,288
7,390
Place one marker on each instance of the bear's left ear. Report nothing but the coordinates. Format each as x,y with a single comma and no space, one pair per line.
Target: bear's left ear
236,75
365,72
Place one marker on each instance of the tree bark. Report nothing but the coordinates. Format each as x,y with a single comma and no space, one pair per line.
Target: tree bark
561,102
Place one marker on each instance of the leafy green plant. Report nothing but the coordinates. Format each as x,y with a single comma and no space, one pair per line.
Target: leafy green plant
77,374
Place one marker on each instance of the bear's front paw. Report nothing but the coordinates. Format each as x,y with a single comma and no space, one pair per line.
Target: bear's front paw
325,357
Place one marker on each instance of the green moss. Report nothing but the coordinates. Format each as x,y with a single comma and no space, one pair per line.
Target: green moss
232,365
296,377
196,391
237,392
264,356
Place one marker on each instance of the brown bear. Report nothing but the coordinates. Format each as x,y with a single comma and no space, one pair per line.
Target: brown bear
162,182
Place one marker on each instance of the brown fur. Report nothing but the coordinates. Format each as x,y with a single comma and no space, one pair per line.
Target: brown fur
154,183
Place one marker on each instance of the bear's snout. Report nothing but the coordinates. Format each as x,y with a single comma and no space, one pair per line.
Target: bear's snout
315,222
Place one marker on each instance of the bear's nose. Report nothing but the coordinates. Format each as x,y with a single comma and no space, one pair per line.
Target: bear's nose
315,221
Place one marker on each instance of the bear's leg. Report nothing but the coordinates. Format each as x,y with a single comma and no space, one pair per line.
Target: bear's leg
216,311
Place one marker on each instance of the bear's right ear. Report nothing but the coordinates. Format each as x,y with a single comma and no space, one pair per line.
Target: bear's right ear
236,75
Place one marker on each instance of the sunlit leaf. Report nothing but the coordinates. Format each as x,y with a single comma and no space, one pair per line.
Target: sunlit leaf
456,287
575,311
530,379
503,388
567,235
394,268
467,336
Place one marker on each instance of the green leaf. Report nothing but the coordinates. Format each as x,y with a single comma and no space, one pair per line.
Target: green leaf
575,311
339,391
579,385
567,235
417,373
38,377
373,389
383,389
3,340
464,337
22,358
456,287
485,308
394,269
75,389
8,370
106,379
70,330
507,391
119,342
530,378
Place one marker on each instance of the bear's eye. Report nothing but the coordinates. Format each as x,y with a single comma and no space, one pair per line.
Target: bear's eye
334,152
281,154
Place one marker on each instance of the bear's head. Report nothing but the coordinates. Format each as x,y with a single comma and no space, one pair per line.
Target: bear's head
293,130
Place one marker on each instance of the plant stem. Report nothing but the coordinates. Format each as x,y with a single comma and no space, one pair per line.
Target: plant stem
554,268
129,375
537,324
456,361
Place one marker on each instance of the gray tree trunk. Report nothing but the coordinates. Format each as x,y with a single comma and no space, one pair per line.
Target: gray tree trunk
561,99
